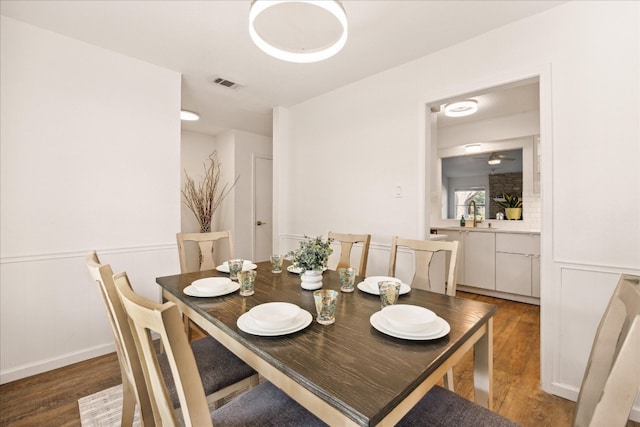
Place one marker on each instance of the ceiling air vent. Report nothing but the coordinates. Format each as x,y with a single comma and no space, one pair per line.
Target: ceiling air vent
220,81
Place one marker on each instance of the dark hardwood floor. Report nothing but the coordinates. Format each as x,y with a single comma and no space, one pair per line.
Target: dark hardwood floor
51,399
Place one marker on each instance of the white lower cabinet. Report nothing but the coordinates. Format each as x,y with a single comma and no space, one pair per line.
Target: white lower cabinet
535,276
500,262
479,260
476,262
453,236
518,264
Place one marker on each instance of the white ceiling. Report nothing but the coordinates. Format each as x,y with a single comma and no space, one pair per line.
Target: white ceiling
206,39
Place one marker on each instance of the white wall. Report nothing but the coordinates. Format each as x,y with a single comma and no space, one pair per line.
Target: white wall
195,149
344,153
236,152
90,160
239,212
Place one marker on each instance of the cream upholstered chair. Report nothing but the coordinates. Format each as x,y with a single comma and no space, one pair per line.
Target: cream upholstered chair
205,243
222,372
423,252
612,376
264,405
346,244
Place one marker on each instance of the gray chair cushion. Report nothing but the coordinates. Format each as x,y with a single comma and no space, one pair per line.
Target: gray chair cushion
444,408
218,367
264,406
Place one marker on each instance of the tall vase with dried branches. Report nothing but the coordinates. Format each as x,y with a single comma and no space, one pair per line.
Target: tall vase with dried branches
205,197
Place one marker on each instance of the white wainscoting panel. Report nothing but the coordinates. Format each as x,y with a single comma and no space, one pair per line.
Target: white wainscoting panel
584,294
51,313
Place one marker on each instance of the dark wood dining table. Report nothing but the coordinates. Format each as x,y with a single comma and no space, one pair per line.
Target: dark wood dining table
347,373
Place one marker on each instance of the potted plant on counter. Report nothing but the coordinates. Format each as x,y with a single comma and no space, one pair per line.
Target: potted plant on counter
311,259
512,205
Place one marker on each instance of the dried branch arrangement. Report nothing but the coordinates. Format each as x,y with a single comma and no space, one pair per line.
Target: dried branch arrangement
204,198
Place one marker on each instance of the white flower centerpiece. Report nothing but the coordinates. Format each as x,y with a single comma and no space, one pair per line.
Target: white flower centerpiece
311,259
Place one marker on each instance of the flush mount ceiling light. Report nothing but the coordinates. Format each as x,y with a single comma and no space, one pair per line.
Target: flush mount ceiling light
472,148
461,108
189,116
301,31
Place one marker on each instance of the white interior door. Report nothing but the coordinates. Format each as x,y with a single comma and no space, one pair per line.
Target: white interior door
263,203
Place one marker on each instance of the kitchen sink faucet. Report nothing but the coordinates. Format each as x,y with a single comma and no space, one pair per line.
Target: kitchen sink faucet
475,208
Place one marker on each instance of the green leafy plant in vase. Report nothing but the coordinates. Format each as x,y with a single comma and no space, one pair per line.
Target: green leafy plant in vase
311,259
512,205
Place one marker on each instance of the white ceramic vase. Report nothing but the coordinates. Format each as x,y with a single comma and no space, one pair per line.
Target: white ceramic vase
311,280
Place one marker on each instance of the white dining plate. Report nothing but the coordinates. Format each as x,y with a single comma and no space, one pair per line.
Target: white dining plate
274,315
247,324
193,292
375,279
293,269
297,270
372,288
248,265
410,318
211,284
378,321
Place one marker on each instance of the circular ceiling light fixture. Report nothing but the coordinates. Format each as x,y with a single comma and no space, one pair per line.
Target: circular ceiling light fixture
189,116
301,31
462,108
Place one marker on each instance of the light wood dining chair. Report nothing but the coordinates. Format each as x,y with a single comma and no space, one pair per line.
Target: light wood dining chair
346,244
612,376
134,389
207,259
424,250
264,405
205,243
222,372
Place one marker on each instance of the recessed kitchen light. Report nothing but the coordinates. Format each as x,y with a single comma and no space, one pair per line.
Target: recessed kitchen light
462,108
189,116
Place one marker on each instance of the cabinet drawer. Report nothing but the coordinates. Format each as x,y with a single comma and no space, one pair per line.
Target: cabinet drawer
528,244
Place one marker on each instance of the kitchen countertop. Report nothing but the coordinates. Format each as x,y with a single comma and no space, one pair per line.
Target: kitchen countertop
483,228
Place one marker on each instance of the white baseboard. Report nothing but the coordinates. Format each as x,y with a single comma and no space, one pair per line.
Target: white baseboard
39,367
498,294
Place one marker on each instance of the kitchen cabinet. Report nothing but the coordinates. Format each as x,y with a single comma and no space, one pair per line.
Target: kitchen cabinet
476,262
479,260
518,264
451,237
498,263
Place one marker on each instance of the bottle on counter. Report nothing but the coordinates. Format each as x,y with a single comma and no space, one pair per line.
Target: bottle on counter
462,221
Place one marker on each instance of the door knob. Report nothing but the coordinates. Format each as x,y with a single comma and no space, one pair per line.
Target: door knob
260,223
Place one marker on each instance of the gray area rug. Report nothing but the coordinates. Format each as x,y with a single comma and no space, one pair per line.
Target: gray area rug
103,409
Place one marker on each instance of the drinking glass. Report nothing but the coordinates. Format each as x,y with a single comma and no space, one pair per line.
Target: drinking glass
235,265
389,292
325,300
276,263
347,279
247,278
